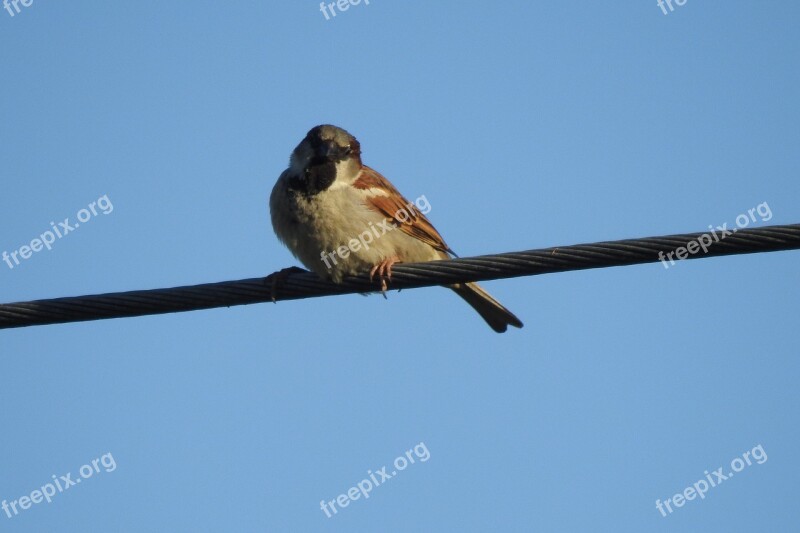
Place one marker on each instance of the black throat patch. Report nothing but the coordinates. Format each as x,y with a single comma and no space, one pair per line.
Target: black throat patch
318,177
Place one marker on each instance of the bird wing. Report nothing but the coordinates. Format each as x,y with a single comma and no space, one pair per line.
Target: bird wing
385,199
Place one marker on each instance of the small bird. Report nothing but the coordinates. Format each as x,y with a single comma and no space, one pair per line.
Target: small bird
329,200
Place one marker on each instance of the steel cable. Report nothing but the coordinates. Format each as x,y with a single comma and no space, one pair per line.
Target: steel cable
302,284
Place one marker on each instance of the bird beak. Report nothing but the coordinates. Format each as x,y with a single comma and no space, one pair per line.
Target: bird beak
327,151
331,151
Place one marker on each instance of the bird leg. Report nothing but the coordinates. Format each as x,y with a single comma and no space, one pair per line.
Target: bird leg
278,277
384,271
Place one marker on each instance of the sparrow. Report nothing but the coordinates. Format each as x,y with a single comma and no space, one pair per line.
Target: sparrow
328,198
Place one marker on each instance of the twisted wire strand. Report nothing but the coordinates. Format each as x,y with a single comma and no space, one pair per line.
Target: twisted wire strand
303,284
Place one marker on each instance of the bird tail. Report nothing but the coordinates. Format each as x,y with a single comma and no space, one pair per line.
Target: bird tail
492,311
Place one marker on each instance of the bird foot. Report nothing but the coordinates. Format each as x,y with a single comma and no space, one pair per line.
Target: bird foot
279,277
384,271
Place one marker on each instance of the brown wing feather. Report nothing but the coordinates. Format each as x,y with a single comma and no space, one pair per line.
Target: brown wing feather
389,206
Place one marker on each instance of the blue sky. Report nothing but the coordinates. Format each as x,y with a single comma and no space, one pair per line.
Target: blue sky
525,125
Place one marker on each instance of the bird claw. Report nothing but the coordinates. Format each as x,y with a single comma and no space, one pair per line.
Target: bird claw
280,276
384,271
